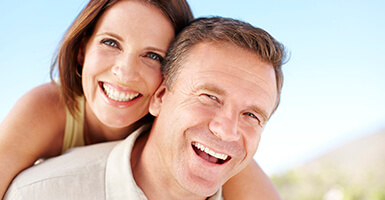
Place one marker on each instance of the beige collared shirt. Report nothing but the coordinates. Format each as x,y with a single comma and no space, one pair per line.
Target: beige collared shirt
100,171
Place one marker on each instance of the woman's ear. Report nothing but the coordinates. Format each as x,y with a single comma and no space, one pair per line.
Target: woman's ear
81,52
157,100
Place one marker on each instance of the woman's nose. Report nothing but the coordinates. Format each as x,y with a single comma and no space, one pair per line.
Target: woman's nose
127,69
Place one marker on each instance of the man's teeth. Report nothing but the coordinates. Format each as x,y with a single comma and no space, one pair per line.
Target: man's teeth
118,96
209,151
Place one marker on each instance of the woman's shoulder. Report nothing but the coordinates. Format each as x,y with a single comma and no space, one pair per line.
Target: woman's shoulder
45,92
47,95
37,121
44,102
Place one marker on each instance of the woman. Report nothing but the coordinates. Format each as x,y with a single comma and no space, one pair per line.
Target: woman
109,67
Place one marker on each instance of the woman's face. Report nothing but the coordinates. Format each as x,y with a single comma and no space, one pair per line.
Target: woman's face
121,61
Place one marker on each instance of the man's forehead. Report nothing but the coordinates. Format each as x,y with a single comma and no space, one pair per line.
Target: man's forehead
225,57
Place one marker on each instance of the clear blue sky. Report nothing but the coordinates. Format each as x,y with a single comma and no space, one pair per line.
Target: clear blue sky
334,89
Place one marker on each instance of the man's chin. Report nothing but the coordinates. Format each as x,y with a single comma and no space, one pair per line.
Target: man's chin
201,187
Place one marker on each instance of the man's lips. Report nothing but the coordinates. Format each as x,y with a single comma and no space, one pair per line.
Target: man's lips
118,95
209,155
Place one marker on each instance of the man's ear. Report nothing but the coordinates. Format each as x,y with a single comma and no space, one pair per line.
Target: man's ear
157,100
81,52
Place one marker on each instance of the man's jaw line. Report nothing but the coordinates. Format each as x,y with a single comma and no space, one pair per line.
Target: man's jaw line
209,155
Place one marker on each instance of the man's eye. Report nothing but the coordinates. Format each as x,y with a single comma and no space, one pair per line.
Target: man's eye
155,56
251,115
110,42
212,97
208,99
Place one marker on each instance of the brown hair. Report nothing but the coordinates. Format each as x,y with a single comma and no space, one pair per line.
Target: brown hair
218,29
178,11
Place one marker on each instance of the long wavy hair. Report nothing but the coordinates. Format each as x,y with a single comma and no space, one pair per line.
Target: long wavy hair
178,11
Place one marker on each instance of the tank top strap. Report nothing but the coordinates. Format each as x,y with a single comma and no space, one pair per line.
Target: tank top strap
74,131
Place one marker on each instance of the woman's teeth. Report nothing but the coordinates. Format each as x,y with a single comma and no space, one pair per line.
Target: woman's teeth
118,96
209,151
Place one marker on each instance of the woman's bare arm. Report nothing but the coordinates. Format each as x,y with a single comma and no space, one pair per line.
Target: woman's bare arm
32,129
250,184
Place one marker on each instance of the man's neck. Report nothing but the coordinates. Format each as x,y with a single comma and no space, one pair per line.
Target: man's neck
152,175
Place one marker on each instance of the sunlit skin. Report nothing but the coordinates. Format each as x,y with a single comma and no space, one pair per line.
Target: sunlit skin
124,54
222,99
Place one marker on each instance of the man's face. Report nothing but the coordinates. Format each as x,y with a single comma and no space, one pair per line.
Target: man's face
209,124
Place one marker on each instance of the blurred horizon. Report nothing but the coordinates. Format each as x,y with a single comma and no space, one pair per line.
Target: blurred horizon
334,81
351,171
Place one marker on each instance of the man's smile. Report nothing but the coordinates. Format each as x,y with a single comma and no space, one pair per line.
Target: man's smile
209,155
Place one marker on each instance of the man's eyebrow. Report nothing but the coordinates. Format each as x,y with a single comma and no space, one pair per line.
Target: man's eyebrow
212,88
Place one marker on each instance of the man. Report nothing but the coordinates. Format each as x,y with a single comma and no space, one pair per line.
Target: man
222,83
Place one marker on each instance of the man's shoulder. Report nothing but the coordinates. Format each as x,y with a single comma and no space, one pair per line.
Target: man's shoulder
80,168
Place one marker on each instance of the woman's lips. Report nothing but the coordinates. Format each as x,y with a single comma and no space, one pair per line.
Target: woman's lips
117,94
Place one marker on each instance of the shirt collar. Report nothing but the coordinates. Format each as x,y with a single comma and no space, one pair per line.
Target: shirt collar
120,182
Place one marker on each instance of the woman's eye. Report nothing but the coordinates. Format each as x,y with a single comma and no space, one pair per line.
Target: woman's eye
155,56
110,42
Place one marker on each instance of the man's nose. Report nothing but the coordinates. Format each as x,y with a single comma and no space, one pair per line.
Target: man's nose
225,126
127,68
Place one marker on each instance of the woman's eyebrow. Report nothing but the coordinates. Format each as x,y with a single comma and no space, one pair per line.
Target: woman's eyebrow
156,49
110,34
121,39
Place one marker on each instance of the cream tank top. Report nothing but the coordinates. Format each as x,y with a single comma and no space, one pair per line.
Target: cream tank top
74,128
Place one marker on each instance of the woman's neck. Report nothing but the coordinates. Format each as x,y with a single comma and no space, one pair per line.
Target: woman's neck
96,131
